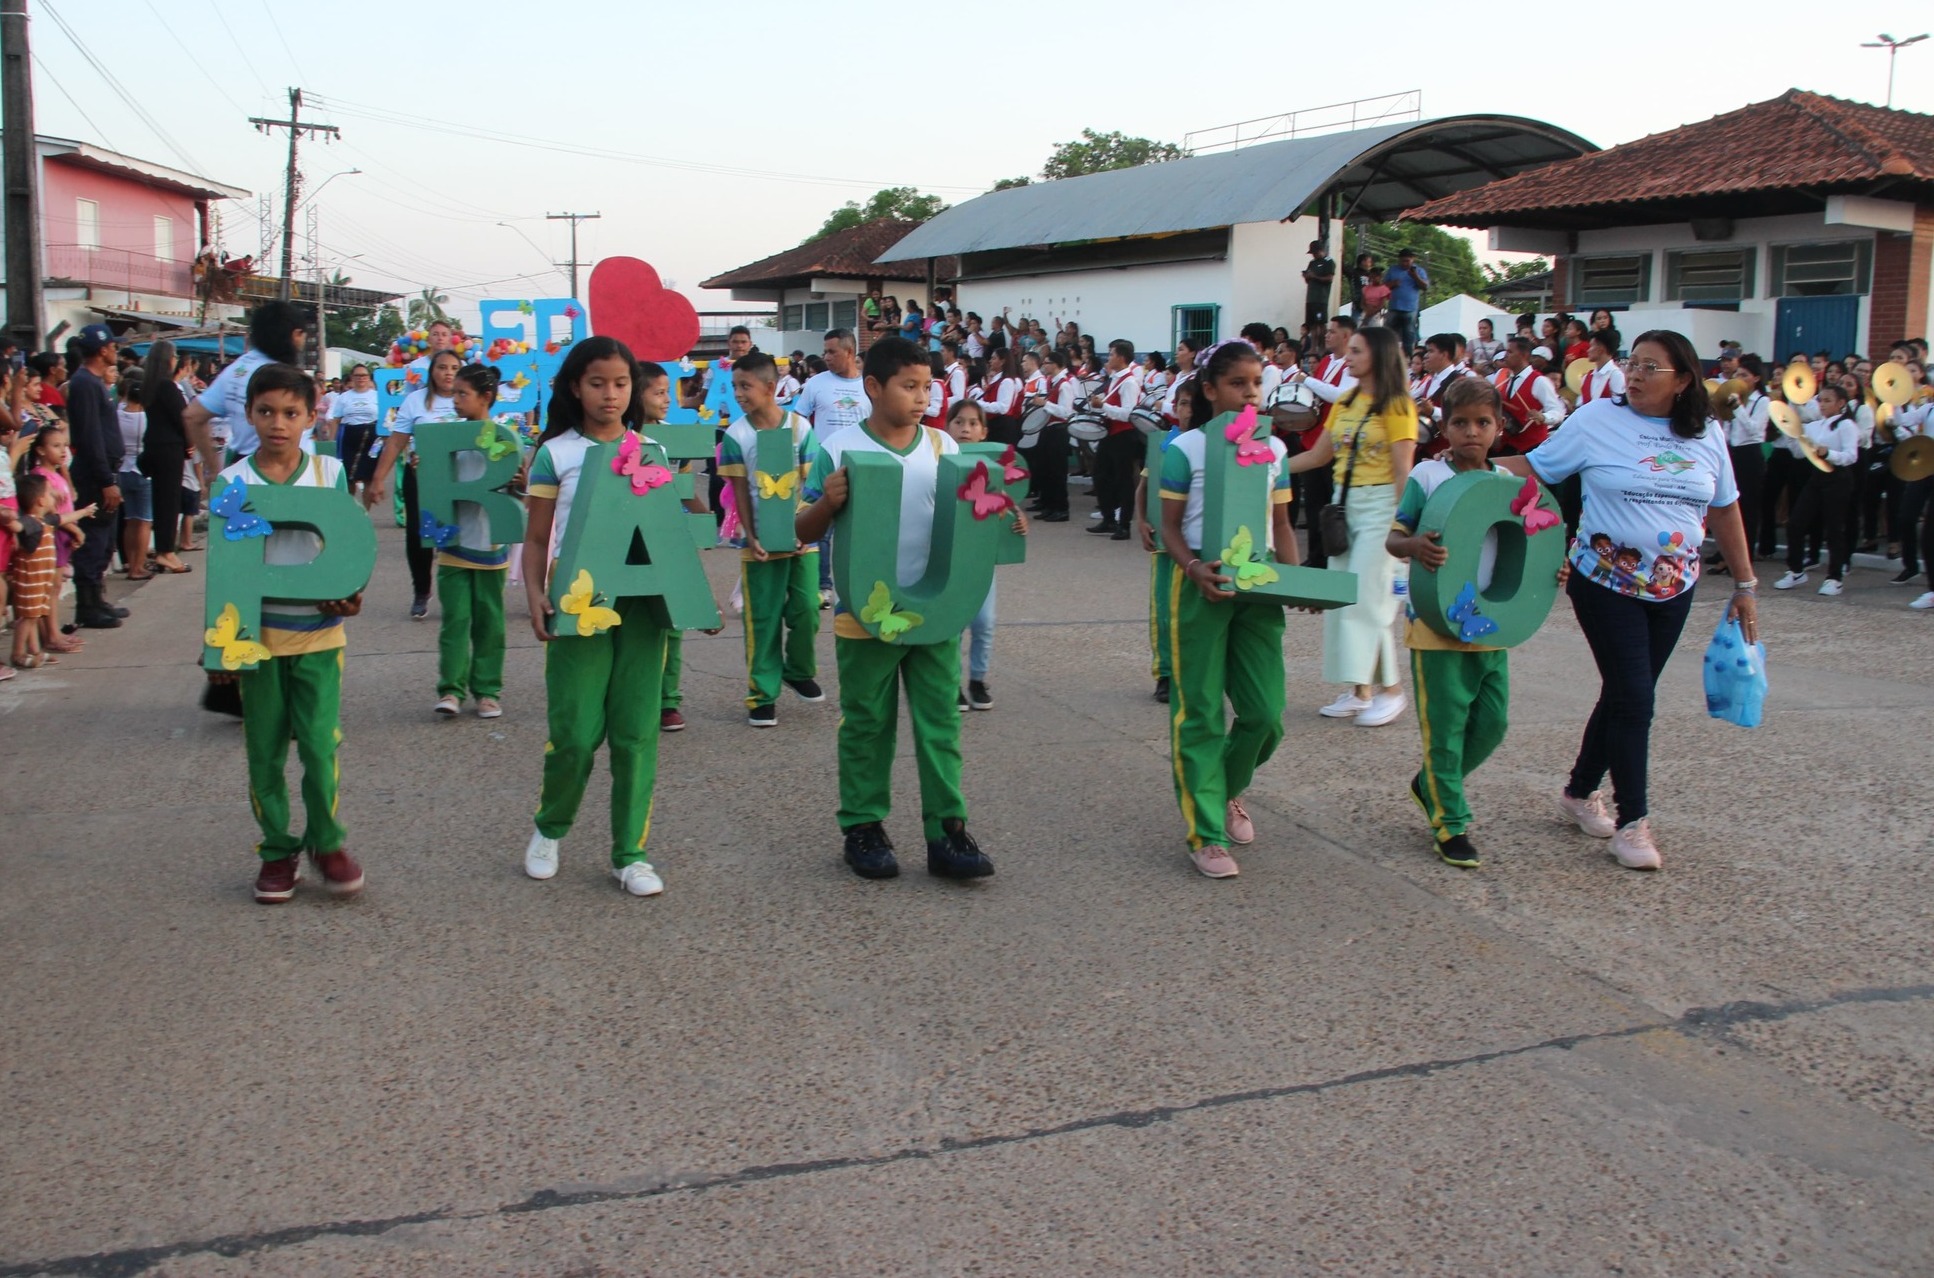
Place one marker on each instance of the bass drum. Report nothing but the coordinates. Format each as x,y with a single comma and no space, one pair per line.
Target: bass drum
1149,421
1293,408
1032,425
1088,428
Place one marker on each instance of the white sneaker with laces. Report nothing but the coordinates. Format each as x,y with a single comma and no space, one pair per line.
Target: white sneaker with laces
1925,603
1790,580
1589,814
447,706
639,878
1830,587
540,857
489,708
1633,846
1347,706
1383,708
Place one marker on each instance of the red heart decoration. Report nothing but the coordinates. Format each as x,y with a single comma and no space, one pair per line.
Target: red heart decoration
629,302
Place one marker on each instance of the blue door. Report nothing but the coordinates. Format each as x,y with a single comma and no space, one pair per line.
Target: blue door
1816,324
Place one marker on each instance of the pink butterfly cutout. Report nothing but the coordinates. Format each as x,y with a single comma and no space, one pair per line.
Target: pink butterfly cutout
1009,471
645,475
1249,450
1536,518
986,504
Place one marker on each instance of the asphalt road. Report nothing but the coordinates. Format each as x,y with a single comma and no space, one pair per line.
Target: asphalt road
1351,1060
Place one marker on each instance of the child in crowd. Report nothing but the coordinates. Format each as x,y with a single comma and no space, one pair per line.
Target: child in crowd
34,571
870,670
968,425
655,401
1221,646
780,587
296,693
601,687
1463,689
470,577
9,510
47,455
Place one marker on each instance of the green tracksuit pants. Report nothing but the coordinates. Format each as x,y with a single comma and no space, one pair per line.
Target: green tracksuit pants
781,622
298,697
870,673
670,694
470,638
1463,701
1231,650
603,689
1161,572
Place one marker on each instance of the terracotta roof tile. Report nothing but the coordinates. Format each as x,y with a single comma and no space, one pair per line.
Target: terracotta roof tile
1797,140
849,253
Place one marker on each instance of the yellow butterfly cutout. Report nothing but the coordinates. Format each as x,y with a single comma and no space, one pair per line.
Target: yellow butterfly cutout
879,611
593,617
236,651
493,444
780,486
1239,561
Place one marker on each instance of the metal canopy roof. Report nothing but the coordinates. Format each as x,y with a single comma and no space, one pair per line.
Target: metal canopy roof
1378,171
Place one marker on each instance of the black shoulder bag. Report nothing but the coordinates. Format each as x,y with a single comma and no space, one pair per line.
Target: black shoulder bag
1332,522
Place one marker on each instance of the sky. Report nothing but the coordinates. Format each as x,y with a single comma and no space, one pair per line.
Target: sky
709,137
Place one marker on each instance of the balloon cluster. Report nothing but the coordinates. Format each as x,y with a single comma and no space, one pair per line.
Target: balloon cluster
416,343
505,346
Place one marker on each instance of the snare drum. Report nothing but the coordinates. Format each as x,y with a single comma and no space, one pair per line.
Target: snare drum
1293,407
1088,427
1149,421
1032,425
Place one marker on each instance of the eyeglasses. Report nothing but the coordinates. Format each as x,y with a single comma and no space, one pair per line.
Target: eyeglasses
1647,368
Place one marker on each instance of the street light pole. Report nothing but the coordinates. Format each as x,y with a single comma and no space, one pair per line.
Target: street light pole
1893,48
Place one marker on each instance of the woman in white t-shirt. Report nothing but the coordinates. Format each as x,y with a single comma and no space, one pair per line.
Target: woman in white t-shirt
352,423
431,403
1656,478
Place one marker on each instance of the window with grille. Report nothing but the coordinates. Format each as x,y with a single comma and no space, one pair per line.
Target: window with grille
818,316
1822,270
1603,281
793,318
1195,325
846,315
1709,275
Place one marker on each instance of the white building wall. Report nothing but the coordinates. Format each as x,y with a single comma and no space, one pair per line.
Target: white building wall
1132,302
1267,281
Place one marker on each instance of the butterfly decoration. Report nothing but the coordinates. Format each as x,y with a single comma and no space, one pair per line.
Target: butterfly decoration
520,381
525,308
571,312
1536,517
412,378
226,636
551,348
781,487
645,474
1239,562
879,611
1241,432
1010,473
237,524
492,442
437,534
1471,624
582,601
986,505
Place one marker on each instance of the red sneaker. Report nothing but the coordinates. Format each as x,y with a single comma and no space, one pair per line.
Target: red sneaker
670,721
276,883
340,873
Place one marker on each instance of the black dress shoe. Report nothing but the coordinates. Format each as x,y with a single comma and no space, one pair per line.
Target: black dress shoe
1108,526
1054,517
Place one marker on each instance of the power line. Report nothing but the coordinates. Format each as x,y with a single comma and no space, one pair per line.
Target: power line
274,22
246,60
192,58
296,128
167,139
573,219
75,103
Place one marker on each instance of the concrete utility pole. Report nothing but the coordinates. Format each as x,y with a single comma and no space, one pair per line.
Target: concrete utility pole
296,129
573,219
22,169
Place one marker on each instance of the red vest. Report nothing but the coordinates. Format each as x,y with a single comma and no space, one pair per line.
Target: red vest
939,420
1585,395
1438,441
1519,407
1114,399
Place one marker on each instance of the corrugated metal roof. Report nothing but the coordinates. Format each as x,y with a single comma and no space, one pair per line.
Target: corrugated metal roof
1267,183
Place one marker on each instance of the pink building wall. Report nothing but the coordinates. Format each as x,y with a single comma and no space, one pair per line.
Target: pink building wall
128,207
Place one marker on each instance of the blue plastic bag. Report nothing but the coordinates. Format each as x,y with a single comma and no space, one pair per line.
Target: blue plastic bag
1735,675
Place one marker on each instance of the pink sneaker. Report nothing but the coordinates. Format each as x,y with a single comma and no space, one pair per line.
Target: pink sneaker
1589,814
1215,862
1634,848
1242,831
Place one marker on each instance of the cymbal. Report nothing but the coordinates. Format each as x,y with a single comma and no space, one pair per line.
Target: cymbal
1712,386
1892,385
1732,386
1814,455
1575,374
1786,418
1913,460
1799,384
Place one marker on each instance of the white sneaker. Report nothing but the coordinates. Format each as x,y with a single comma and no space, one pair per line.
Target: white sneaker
1925,603
1830,587
1383,708
447,706
540,857
489,708
1589,814
1633,847
1790,580
1347,706
639,878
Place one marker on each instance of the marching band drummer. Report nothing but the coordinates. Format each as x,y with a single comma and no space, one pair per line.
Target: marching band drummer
1607,379
1330,382
1530,402
1048,457
1441,367
1185,353
999,397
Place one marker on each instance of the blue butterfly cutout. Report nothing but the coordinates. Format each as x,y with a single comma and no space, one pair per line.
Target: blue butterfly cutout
1471,624
437,534
238,524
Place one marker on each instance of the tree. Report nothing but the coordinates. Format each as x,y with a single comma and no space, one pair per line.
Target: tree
1496,281
426,308
902,202
370,331
1447,258
1008,184
1098,152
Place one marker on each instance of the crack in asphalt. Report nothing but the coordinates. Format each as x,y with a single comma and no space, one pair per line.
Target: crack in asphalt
1698,1020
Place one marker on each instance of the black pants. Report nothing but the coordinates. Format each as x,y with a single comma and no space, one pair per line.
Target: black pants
1319,490
1631,640
1047,463
1784,476
90,559
420,555
1875,487
1571,503
1115,465
1912,503
1826,499
1749,474
352,450
1003,430
160,461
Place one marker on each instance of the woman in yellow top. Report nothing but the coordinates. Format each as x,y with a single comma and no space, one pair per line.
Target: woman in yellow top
1371,440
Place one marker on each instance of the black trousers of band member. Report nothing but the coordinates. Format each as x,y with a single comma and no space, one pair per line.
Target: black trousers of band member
1749,475
1115,465
421,557
1825,499
1910,503
1047,464
1003,429
1873,491
1785,476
